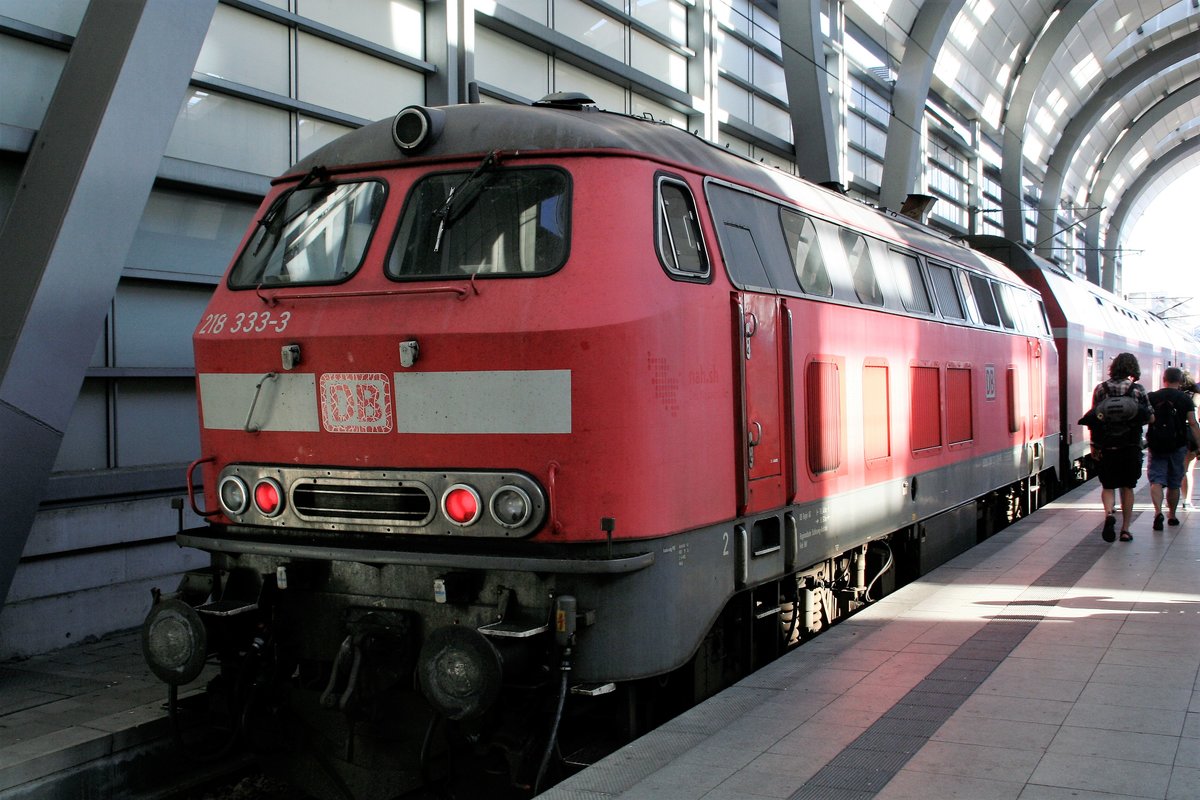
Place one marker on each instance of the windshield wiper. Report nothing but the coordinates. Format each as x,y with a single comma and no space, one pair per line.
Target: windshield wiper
461,197
272,220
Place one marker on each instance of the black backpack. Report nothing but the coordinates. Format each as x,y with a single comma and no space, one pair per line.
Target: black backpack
1167,432
1116,411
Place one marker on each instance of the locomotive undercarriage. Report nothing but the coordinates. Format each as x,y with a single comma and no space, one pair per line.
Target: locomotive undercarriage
321,661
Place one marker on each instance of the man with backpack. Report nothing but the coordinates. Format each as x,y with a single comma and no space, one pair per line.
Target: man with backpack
1119,410
1167,440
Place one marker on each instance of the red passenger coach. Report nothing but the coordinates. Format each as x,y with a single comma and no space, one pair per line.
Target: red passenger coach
514,417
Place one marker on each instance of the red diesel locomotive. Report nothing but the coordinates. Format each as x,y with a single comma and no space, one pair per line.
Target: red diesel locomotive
510,414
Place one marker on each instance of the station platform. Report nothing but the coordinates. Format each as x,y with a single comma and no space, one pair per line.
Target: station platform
1043,664
88,721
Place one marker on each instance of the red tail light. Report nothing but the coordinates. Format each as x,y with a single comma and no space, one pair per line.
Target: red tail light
268,497
461,504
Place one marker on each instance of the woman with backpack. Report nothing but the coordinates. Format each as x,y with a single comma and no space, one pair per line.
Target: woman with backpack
1119,410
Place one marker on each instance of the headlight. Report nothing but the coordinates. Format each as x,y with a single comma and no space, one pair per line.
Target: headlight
235,497
510,506
460,672
174,642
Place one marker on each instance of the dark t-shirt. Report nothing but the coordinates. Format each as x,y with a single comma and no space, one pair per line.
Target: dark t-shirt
1183,404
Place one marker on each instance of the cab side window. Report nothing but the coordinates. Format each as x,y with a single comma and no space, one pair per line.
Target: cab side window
680,240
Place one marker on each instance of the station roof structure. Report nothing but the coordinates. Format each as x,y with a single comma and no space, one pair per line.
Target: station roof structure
1096,102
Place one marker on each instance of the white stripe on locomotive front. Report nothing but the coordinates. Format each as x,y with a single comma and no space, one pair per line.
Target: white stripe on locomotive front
474,402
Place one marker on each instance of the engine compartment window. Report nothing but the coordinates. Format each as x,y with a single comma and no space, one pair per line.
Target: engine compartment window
315,233
493,222
861,268
807,261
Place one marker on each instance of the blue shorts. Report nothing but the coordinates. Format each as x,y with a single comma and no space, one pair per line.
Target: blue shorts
1166,469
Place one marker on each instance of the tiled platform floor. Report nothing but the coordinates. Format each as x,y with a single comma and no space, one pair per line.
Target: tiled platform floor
73,722
1044,664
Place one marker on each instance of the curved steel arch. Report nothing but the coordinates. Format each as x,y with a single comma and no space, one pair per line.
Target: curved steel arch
1113,160
901,154
1179,153
1161,60
1016,117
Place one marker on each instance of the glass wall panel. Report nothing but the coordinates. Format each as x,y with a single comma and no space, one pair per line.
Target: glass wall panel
733,100
864,169
588,26
247,49
768,77
536,10
395,24
766,30
511,66
652,58
316,133
153,323
227,132
572,79
734,14
733,56
640,105
28,76
85,441
734,144
772,119
157,422
668,17
189,233
352,82
62,16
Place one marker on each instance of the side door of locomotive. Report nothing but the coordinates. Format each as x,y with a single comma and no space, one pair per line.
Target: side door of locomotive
755,254
758,338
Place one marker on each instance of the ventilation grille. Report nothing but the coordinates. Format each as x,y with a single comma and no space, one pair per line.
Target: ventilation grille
400,505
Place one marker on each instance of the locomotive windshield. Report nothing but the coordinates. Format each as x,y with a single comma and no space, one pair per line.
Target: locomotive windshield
498,222
312,234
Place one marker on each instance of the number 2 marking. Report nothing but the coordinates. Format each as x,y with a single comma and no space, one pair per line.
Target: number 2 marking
725,537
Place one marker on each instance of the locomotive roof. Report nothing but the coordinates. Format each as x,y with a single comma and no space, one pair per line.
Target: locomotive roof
476,129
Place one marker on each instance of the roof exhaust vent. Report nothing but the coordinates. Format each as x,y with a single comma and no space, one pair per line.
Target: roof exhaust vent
570,101
917,206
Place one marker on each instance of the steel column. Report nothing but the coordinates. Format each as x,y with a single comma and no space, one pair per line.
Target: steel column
71,223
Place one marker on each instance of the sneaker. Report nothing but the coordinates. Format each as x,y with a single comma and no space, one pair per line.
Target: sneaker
1158,521
1110,529
1173,521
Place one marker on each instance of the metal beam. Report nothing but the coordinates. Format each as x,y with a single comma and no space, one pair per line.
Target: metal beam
1084,122
902,153
1016,117
72,220
814,134
1113,160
